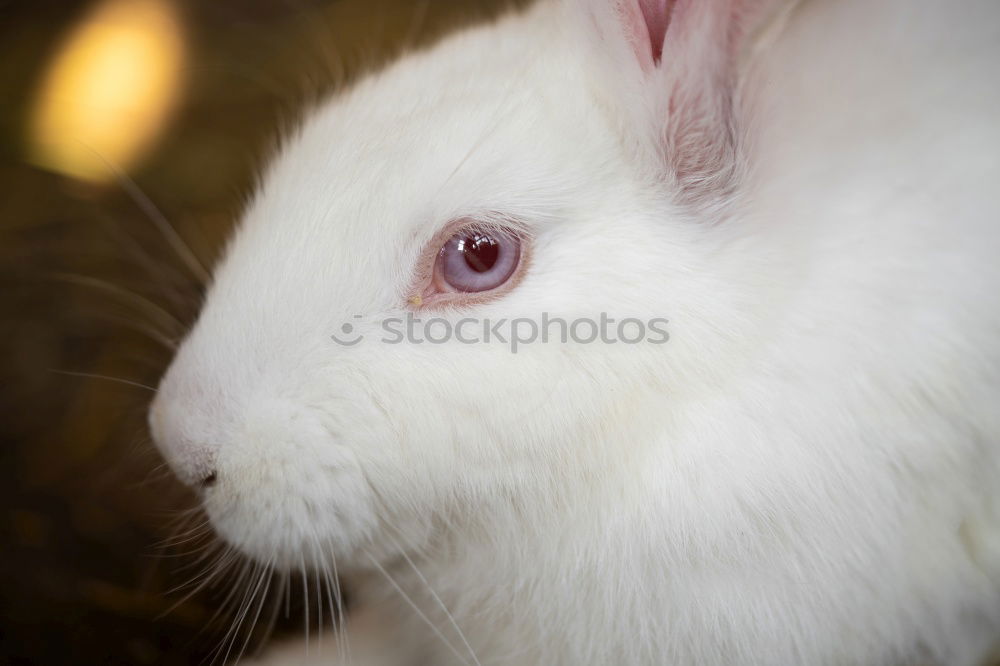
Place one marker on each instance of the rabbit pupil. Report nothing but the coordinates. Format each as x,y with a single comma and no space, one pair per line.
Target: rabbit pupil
480,251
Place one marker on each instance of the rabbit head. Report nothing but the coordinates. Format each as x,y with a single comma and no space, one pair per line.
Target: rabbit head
447,302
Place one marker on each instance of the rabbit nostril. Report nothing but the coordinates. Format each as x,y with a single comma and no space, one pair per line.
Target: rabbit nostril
209,480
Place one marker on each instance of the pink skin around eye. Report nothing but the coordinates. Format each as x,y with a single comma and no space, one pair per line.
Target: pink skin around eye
443,278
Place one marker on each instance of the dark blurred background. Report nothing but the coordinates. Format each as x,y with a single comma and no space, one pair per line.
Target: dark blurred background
130,134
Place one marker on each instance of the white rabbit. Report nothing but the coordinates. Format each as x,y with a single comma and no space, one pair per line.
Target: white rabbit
805,473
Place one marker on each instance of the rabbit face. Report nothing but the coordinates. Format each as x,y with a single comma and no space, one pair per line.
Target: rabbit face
304,444
310,433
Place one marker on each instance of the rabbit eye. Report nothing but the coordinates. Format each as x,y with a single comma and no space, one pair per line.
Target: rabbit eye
474,261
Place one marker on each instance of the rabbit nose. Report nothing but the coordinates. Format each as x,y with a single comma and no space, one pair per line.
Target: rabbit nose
192,461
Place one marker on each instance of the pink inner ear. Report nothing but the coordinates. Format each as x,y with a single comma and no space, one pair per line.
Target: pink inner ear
656,16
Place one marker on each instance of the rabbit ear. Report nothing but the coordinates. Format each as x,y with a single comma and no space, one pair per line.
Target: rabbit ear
670,65
645,24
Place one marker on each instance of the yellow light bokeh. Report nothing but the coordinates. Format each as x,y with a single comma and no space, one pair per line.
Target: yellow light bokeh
110,89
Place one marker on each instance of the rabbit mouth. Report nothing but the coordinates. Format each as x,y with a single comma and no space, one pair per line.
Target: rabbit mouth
293,504
320,517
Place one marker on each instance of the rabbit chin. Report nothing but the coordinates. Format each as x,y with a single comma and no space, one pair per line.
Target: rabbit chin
293,505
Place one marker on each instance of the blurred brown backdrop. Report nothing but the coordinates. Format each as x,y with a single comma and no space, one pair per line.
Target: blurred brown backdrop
93,288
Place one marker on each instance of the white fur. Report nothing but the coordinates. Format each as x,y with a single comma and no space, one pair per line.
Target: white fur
805,474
